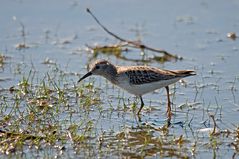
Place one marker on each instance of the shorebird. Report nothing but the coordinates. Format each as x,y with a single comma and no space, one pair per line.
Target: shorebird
138,80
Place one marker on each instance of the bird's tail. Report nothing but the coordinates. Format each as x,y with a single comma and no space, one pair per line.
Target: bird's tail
185,73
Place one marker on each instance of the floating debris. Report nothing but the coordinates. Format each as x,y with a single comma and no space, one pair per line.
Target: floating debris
21,46
232,35
115,50
48,61
2,60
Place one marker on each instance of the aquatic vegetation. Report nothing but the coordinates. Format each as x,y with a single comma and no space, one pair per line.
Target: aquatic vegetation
44,113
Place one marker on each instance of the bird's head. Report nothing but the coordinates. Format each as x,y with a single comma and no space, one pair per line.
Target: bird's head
99,67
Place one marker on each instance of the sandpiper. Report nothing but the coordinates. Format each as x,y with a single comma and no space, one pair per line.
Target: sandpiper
138,80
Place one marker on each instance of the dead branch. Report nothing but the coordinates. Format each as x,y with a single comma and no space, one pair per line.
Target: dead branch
135,44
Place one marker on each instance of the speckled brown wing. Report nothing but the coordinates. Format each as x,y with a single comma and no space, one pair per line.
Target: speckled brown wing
140,75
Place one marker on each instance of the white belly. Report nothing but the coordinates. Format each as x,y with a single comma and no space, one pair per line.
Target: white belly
141,89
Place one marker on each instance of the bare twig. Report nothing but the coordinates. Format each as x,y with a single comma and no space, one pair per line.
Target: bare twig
117,50
135,44
214,125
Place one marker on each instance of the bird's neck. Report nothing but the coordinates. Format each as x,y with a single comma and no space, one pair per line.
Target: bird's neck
111,74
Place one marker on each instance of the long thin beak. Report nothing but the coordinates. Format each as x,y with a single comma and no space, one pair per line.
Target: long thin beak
85,76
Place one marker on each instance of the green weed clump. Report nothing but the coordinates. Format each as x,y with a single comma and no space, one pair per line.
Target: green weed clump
37,112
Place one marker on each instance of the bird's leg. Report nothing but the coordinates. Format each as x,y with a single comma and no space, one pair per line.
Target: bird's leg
142,105
169,113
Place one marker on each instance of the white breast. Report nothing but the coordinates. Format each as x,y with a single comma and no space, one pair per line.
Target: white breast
141,89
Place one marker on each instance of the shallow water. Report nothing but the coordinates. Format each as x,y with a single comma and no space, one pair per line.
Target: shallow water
56,34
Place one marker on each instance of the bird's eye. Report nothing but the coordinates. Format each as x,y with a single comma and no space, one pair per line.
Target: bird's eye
97,67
